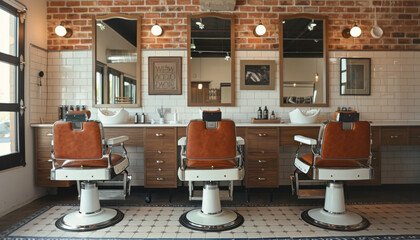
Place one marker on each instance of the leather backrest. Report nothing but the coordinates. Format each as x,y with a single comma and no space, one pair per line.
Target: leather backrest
218,143
87,112
77,144
346,144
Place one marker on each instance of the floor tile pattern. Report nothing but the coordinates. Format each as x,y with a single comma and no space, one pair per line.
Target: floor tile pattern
396,221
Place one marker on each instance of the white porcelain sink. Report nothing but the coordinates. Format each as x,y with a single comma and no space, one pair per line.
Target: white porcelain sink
113,117
301,117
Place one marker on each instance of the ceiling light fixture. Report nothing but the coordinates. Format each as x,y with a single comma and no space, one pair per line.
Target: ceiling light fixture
227,58
192,44
62,31
260,30
311,25
200,24
156,30
101,25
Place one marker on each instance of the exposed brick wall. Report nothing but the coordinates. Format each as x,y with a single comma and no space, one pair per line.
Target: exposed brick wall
400,20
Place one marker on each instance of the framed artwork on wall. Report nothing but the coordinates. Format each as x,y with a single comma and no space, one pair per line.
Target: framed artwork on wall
257,75
355,76
165,75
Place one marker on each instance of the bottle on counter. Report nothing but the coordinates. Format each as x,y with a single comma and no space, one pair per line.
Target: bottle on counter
60,112
273,116
259,113
136,118
142,118
77,108
71,108
265,113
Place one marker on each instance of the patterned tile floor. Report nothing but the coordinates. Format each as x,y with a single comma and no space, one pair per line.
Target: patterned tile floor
260,222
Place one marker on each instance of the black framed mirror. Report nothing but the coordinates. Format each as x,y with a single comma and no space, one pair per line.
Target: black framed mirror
303,60
211,60
116,45
355,76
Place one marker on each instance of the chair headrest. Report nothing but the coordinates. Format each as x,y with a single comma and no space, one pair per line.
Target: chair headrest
348,117
212,116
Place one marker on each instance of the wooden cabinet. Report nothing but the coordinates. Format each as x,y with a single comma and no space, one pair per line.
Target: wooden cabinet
414,136
43,138
287,134
135,135
160,157
261,158
394,136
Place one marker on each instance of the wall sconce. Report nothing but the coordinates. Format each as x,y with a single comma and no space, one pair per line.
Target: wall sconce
62,31
355,31
227,58
156,30
260,30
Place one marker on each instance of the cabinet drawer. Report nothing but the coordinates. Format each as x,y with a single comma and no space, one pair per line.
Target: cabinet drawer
262,140
42,160
162,139
161,179
262,160
135,135
414,136
287,134
261,179
164,160
394,136
241,132
376,138
43,138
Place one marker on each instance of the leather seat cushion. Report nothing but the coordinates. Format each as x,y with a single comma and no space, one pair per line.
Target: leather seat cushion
231,163
308,158
101,163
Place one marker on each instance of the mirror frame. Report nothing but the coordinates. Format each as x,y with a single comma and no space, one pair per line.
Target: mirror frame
94,52
325,36
232,55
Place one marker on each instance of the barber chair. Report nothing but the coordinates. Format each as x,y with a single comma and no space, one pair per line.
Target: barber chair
80,153
211,153
341,153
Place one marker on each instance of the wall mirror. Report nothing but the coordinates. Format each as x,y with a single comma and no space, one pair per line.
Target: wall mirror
303,60
211,60
116,61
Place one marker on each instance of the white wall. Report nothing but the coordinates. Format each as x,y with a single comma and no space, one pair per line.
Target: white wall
17,185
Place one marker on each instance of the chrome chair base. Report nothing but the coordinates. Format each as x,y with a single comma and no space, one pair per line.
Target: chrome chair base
346,221
81,222
197,220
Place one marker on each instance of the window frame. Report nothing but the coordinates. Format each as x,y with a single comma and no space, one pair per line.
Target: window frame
17,158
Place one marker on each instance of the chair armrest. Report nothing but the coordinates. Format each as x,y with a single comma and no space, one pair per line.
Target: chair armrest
305,140
117,140
182,141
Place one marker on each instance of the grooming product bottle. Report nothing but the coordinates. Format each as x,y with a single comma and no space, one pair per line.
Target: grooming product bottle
66,109
273,116
136,118
83,107
259,113
265,113
60,112
71,108
142,118
77,108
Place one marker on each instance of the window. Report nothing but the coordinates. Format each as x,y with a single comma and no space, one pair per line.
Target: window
12,137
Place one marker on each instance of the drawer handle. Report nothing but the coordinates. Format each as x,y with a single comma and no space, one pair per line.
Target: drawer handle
262,161
49,160
261,179
159,134
262,134
159,152
49,134
160,169
394,137
159,161
160,179
262,151
262,169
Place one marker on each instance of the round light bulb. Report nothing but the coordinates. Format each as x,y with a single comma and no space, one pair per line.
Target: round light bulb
355,31
260,30
156,30
60,30
200,86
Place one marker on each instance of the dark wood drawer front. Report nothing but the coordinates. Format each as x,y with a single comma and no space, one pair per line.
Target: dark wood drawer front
287,134
161,179
135,135
181,132
394,136
241,132
376,138
262,179
163,161
261,160
42,161
262,140
414,136
162,139
43,138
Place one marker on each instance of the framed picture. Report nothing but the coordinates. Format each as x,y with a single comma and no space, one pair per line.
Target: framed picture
165,75
258,74
355,76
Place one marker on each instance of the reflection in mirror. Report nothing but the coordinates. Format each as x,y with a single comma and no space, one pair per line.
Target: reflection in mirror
211,60
116,40
303,60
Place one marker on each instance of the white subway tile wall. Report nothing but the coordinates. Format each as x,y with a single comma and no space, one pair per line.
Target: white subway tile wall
395,95
37,86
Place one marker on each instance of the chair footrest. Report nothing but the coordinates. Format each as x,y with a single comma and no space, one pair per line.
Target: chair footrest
112,194
223,194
